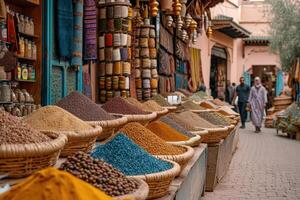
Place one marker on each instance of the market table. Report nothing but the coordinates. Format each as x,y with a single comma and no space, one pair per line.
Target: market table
190,184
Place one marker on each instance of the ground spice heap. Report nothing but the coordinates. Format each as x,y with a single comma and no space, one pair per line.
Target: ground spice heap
135,102
121,106
214,118
160,100
151,105
184,123
175,125
166,132
54,118
99,173
129,158
208,105
190,105
53,184
227,119
227,110
195,120
14,131
84,108
198,96
149,141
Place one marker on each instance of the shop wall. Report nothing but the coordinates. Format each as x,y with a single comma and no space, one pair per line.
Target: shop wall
228,8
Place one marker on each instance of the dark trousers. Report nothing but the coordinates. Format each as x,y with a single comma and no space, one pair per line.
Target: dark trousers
243,113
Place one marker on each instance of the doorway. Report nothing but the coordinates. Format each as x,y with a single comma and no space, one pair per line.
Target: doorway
218,73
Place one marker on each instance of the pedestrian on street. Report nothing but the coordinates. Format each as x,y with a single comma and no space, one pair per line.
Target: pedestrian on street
242,93
229,92
257,102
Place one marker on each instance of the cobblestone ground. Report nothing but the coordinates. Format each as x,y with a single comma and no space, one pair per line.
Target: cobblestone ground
265,166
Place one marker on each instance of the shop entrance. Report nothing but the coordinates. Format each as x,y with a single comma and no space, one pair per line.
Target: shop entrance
268,75
218,72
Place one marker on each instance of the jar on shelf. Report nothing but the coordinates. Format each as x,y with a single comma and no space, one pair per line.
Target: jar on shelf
21,24
19,71
34,50
31,26
25,48
29,49
26,25
21,47
24,72
5,92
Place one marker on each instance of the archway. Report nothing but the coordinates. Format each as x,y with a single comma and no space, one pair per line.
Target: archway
218,72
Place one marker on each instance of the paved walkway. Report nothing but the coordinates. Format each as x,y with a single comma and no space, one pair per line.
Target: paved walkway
265,166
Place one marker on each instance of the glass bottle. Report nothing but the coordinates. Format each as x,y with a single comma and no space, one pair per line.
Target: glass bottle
26,26
34,51
21,47
26,48
24,72
31,26
19,69
21,24
29,49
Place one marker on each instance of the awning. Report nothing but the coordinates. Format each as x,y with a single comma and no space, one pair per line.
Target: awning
227,26
257,41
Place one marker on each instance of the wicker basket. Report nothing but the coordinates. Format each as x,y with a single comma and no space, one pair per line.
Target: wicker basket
192,142
79,141
161,113
142,119
221,131
20,160
159,182
171,108
181,159
109,126
141,193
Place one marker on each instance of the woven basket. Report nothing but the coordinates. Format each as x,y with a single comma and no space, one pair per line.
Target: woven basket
109,126
181,159
222,132
192,142
161,113
159,182
171,108
142,119
79,141
141,193
20,160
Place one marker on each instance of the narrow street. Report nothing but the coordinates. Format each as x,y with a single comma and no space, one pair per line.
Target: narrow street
265,166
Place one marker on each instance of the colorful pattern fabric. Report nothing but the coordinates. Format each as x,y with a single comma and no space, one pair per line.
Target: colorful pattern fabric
90,30
77,40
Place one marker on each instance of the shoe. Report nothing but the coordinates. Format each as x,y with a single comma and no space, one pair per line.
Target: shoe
243,127
257,130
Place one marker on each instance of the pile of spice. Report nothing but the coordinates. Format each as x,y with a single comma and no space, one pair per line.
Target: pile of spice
14,131
166,132
175,125
135,102
99,173
149,141
198,96
51,183
151,105
195,120
122,153
54,118
227,110
190,105
227,119
119,105
184,123
214,118
84,108
208,105
218,102
160,100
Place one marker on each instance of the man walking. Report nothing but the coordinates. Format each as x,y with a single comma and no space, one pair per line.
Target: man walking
242,92
257,100
229,92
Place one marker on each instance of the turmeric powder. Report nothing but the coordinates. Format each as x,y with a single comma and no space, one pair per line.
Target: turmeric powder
52,184
166,132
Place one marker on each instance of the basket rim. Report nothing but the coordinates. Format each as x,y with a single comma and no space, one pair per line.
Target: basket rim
189,142
96,131
161,112
169,173
216,129
142,188
170,107
109,123
184,156
141,117
34,149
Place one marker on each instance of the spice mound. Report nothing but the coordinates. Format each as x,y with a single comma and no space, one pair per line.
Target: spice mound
166,132
135,103
129,158
188,125
84,108
175,125
195,120
160,100
99,173
151,105
149,141
14,131
121,106
190,105
214,118
51,183
54,118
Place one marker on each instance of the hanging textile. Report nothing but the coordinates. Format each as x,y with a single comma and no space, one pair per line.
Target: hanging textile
11,32
196,71
247,78
77,40
279,83
90,30
64,27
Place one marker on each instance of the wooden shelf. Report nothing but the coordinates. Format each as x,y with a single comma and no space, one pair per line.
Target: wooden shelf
28,35
24,58
24,3
28,81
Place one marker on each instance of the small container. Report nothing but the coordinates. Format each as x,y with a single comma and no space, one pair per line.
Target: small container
24,72
34,50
